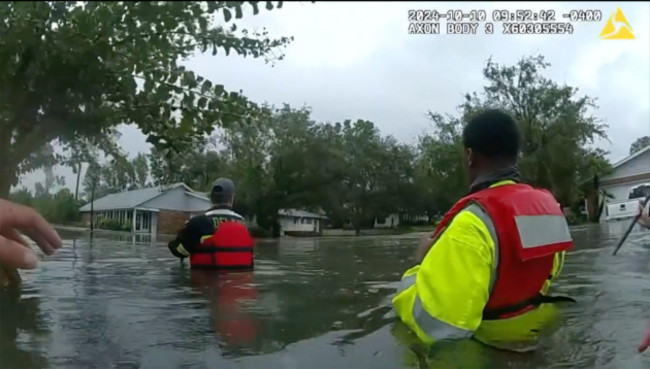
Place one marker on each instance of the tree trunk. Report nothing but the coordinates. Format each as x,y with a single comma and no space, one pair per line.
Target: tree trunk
92,209
76,190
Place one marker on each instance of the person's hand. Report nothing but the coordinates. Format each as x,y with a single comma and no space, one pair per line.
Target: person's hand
644,219
426,242
645,340
15,252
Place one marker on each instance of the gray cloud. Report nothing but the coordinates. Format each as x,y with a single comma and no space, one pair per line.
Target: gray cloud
352,61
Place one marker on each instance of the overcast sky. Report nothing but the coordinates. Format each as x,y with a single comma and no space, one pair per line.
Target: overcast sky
355,60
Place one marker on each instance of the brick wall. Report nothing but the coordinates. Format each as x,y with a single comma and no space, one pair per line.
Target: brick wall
171,221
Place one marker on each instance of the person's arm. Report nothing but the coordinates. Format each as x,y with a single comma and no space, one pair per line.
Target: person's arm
189,238
176,246
451,286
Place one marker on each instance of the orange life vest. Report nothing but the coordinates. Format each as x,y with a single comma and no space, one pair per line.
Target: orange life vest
530,228
229,248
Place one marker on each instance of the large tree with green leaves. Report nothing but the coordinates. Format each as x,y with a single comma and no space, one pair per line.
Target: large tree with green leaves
441,177
639,144
71,70
557,124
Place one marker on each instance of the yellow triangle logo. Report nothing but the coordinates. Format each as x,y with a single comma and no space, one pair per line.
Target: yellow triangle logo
617,27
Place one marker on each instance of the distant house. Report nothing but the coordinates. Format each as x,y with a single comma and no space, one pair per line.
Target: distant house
300,222
393,220
632,171
150,210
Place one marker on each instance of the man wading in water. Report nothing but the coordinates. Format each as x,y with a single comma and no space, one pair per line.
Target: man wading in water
217,239
495,253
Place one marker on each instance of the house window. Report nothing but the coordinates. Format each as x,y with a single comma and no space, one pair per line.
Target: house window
295,220
306,220
622,207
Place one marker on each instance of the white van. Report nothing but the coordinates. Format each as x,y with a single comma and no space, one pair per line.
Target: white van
627,208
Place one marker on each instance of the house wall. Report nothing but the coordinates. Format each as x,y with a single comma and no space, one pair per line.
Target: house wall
85,218
388,222
177,200
171,221
295,224
628,175
638,165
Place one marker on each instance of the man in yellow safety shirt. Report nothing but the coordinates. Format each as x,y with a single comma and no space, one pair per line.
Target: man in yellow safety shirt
495,252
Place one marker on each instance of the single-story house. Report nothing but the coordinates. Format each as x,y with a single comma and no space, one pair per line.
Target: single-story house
295,222
152,210
629,172
393,220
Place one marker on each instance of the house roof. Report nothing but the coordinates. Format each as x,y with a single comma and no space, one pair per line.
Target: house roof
636,154
300,214
131,199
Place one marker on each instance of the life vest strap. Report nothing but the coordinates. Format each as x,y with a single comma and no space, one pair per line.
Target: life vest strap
214,249
224,267
497,313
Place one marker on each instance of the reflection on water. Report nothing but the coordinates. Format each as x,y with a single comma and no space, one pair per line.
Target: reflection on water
122,302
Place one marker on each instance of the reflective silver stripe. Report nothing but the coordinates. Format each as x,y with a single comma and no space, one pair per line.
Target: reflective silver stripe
475,209
406,282
433,327
541,230
224,212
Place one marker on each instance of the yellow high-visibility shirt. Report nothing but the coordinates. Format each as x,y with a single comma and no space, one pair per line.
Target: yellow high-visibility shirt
452,284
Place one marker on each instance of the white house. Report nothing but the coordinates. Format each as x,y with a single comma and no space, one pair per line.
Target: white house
295,222
393,220
149,210
629,172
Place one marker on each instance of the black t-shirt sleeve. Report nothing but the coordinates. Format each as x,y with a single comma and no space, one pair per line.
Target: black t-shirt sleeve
194,230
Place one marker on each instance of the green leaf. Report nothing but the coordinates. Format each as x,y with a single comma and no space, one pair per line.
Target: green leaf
207,85
238,12
203,24
256,9
227,16
202,102
269,5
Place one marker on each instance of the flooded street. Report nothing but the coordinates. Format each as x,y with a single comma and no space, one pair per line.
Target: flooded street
122,302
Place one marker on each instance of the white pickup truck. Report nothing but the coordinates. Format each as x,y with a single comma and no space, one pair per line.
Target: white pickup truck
627,208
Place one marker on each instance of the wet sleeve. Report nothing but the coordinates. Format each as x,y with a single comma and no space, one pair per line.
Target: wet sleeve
189,238
453,281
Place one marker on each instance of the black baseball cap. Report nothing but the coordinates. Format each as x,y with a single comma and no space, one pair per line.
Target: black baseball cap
223,186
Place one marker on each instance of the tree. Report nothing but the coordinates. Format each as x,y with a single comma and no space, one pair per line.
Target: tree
441,178
557,126
141,169
304,168
71,70
86,149
364,187
639,144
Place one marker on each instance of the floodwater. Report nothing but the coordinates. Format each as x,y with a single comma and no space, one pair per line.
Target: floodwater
124,302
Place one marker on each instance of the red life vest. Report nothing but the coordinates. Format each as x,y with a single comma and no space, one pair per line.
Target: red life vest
530,228
230,248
